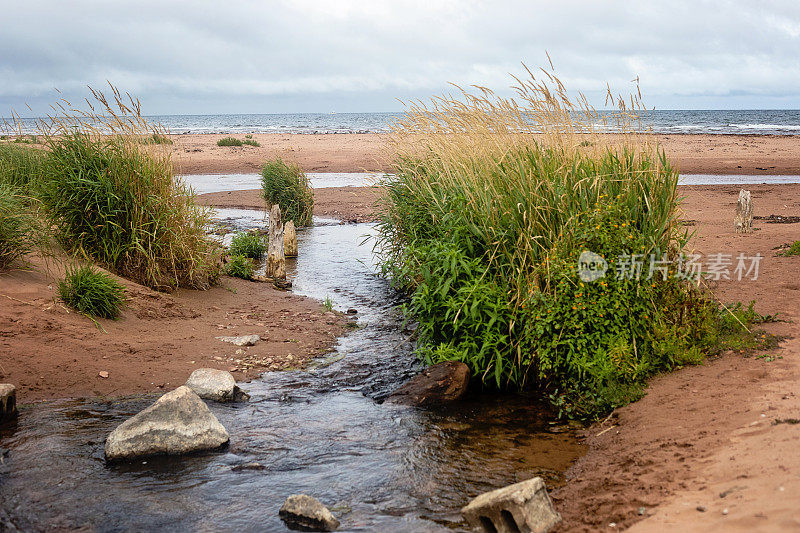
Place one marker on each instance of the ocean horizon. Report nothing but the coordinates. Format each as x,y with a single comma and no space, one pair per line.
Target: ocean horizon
741,122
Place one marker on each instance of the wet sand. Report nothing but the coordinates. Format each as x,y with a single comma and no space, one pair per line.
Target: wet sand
692,154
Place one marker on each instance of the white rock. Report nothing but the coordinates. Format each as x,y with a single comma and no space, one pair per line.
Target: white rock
303,512
241,340
179,422
213,384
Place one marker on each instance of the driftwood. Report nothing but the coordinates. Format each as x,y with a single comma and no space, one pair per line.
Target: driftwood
276,259
289,239
743,221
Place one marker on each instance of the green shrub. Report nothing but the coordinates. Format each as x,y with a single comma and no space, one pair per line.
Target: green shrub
229,141
117,203
92,292
248,244
251,142
21,165
20,230
484,227
248,136
286,185
793,249
239,266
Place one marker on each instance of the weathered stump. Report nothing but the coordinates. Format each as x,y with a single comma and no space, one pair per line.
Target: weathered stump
276,258
743,221
289,239
8,402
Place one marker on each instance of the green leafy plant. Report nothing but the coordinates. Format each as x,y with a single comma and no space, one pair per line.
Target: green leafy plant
286,185
248,136
251,142
327,303
483,224
92,292
229,141
239,266
248,244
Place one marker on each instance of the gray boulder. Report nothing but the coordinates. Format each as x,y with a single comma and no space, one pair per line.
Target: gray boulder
307,514
217,385
439,383
179,422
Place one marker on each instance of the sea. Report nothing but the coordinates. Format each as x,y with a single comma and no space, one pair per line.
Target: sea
741,122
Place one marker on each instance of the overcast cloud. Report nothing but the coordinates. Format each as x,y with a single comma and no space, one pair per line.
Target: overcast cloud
308,56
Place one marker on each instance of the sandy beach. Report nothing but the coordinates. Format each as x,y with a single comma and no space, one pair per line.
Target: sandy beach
692,154
712,436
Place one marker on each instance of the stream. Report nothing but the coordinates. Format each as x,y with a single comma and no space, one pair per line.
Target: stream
321,431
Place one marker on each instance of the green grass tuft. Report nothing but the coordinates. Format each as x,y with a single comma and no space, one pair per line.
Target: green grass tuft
92,292
22,166
249,245
251,142
239,266
794,249
286,185
229,141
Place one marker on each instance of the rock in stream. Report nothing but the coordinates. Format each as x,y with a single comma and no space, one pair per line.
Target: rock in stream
179,422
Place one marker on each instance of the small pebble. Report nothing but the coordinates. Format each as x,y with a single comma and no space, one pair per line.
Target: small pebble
724,511
612,524
701,508
642,511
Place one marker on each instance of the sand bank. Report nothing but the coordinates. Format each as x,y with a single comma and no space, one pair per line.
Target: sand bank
693,154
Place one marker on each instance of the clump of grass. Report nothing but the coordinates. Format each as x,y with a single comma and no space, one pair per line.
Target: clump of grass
20,230
327,303
92,292
157,138
286,185
248,244
22,165
251,142
793,249
117,202
239,266
248,136
229,141
493,202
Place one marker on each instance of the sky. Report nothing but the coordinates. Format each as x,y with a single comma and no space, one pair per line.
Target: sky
237,56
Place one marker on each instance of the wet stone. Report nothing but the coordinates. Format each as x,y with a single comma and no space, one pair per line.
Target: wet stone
177,423
304,513
439,383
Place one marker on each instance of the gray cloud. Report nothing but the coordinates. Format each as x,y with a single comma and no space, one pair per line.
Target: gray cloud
249,56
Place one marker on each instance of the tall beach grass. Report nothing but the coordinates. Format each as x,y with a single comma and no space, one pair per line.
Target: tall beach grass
493,202
115,200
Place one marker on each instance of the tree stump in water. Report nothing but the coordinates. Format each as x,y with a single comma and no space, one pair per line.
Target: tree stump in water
276,259
289,239
743,221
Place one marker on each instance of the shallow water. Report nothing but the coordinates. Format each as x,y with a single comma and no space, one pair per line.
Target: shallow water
203,183
206,183
324,432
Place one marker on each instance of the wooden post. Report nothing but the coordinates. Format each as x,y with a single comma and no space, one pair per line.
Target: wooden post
276,260
743,221
289,239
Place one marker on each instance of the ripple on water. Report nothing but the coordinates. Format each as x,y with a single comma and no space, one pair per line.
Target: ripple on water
377,466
